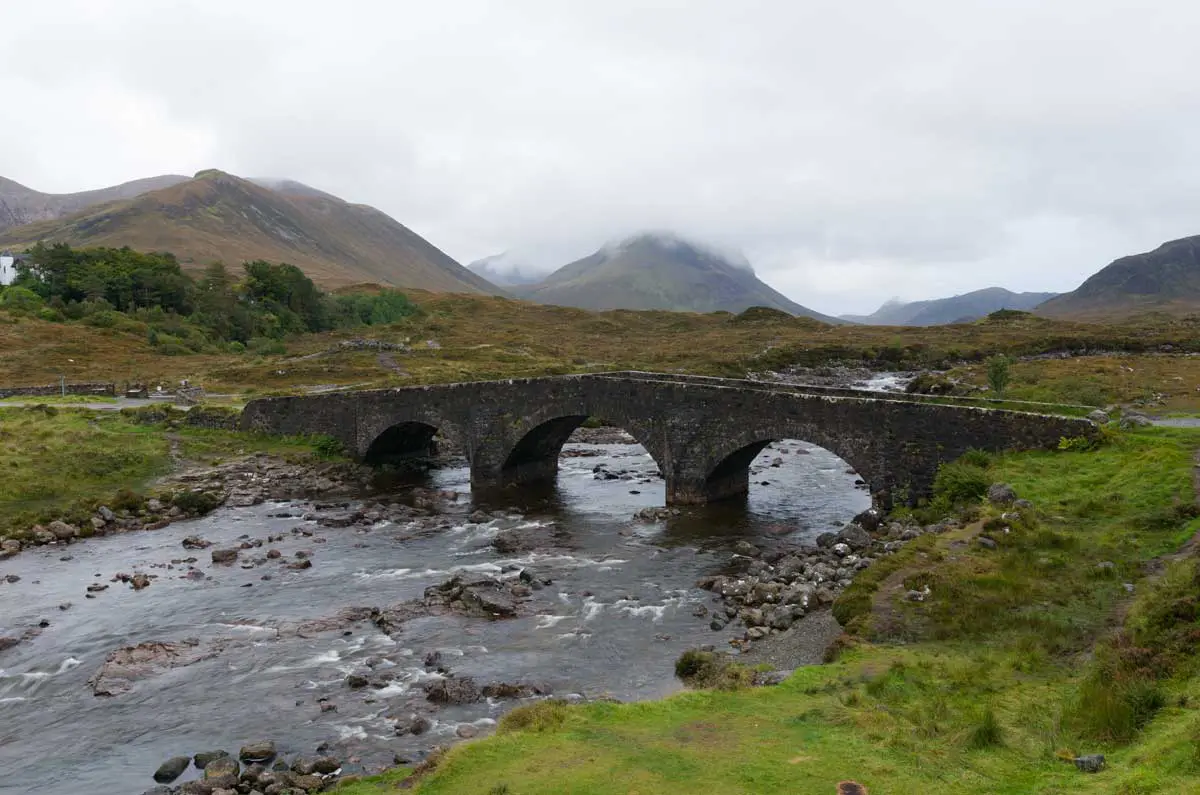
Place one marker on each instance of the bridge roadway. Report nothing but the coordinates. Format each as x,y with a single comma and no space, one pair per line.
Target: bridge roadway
703,432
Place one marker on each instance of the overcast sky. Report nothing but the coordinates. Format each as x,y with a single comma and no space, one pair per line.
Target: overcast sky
853,151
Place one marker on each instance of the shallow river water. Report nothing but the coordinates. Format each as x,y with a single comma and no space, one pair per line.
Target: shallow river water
619,611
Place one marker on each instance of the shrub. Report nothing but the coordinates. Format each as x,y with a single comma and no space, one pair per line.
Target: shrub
328,447
20,299
51,315
976,458
265,346
173,349
541,716
998,373
706,669
236,347
127,500
959,483
196,503
987,733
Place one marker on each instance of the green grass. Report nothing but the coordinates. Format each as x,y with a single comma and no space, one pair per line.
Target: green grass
59,400
980,696
62,463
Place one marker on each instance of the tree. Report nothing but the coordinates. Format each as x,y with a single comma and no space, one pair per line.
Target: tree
998,373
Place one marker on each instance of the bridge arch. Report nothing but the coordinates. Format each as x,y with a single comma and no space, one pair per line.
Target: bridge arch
719,466
535,444
391,437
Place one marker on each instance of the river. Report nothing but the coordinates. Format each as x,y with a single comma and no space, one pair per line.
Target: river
618,613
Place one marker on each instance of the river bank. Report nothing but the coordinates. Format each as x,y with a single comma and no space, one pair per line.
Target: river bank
370,629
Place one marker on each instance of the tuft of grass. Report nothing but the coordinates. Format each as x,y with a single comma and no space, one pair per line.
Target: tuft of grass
541,716
987,733
706,669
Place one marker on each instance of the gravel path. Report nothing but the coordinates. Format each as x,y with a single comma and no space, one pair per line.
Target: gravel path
803,644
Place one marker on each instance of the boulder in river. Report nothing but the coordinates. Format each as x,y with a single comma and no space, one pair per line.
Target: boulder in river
171,769
202,759
262,751
224,555
62,531
413,724
221,769
125,666
453,690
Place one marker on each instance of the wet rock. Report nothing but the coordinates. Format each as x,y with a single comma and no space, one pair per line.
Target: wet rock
300,565
224,556
326,765
869,520
125,666
357,681
841,550
515,690
466,731
746,549
12,579
453,690
854,537
310,783
9,547
1001,494
196,542
413,724
171,769
159,790
196,788
220,770
660,514
274,554
139,581
1091,763
826,540
479,517
261,751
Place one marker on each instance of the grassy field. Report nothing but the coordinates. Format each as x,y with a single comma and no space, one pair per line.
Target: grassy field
1013,664
61,463
460,337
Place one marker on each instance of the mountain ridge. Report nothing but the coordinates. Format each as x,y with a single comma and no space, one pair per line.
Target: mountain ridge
953,309
218,216
655,270
1165,279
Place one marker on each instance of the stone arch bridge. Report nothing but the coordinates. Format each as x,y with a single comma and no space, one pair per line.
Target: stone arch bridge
702,432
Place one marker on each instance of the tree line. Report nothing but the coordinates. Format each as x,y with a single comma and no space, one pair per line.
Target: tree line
111,287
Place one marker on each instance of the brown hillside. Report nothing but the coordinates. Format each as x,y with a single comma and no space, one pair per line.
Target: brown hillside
20,205
217,216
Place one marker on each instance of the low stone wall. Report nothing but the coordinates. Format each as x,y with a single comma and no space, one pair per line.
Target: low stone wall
54,390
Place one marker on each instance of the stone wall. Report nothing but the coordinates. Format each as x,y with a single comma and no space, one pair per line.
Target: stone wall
702,432
54,390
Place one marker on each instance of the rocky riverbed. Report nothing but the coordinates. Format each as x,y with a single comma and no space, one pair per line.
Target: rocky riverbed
362,630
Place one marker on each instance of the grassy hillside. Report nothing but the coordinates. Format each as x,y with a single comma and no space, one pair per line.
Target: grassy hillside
220,217
1166,279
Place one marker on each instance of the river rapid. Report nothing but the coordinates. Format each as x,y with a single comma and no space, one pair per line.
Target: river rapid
619,610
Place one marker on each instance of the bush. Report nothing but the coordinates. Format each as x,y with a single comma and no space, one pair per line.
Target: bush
265,346
20,299
195,503
706,669
998,373
987,733
976,458
541,716
174,349
959,483
236,347
127,500
328,447
50,315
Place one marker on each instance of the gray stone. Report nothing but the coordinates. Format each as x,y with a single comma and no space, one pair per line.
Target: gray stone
413,724
453,690
1099,416
221,767
915,596
986,543
224,556
1091,763
855,537
1001,494
62,531
171,769
841,550
1132,419
105,513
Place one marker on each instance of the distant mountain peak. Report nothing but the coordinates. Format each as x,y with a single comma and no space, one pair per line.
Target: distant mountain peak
662,270
669,240
955,309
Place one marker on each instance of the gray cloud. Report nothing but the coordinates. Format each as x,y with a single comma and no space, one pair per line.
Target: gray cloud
853,151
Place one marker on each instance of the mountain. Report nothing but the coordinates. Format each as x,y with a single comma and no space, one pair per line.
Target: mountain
956,309
20,205
503,269
1166,279
217,216
661,271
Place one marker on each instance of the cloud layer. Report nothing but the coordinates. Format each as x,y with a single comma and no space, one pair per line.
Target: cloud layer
853,151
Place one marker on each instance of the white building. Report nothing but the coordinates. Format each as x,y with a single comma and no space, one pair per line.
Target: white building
8,268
